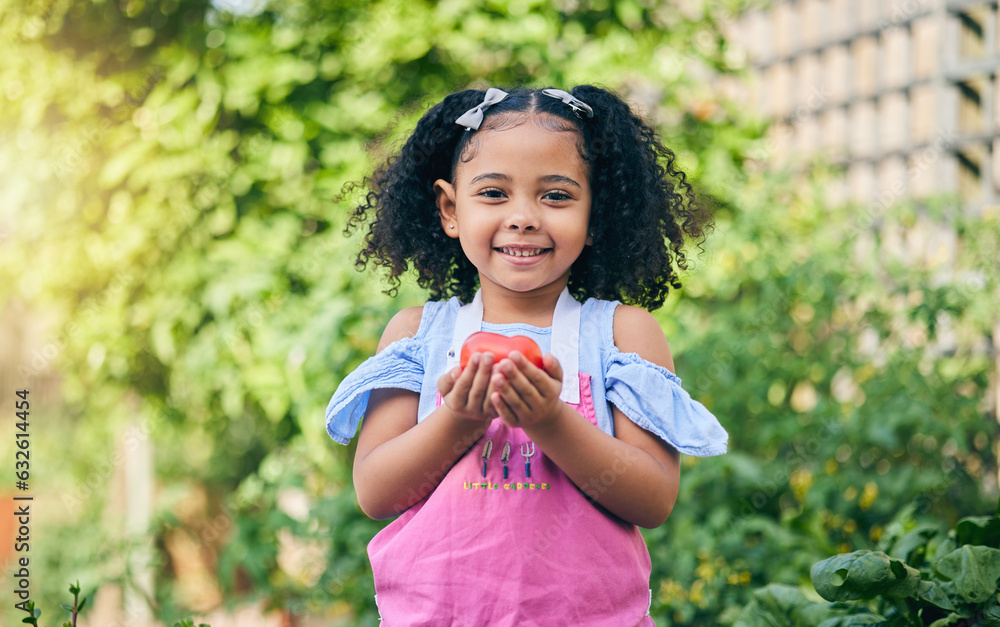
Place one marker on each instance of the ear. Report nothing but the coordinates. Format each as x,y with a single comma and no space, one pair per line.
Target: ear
445,199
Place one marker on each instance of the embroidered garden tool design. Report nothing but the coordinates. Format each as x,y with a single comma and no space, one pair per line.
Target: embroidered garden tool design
505,457
487,449
527,451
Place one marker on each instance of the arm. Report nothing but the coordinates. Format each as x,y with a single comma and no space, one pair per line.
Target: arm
634,475
398,461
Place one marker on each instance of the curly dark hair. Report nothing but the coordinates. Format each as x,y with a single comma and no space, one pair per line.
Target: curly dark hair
642,206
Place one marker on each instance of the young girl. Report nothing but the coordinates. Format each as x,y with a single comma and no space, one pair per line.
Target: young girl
519,489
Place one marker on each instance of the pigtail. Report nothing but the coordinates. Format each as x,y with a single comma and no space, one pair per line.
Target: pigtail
405,227
643,208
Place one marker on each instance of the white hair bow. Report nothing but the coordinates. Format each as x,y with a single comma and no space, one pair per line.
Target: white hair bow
473,118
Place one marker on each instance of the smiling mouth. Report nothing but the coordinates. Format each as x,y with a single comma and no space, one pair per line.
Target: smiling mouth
523,252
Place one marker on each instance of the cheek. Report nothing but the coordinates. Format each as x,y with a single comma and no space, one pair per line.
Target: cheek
575,228
474,228
474,244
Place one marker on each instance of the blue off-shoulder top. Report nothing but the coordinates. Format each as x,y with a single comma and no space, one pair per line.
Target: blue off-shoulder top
648,394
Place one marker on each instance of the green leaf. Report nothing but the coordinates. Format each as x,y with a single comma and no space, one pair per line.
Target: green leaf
856,620
79,608
970,572
912,547
947,545
984,530
778,605
950,619
864,575
992,612
933,593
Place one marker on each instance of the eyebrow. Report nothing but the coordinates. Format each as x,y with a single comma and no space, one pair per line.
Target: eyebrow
548,178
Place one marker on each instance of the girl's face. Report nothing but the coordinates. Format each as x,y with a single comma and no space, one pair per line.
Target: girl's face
520,207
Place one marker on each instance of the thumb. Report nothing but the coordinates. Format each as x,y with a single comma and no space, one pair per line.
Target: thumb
446,382
552,366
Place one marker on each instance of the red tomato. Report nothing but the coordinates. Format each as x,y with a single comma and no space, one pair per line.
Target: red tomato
501,346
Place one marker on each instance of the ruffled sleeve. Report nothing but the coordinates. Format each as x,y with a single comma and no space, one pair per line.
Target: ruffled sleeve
652,397
399,365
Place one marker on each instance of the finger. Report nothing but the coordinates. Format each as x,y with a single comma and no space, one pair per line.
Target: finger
488,409
528,392
481,380
514,390
550,380
539,378
552,367
504,412
462,385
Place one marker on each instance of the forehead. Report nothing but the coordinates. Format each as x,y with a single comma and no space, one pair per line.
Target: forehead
524,140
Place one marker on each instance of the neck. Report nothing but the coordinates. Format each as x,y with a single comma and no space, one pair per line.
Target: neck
535,308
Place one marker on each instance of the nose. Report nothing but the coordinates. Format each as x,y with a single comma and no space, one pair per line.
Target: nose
523,217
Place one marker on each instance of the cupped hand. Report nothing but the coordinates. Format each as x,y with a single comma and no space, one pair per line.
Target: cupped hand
525,395
466,391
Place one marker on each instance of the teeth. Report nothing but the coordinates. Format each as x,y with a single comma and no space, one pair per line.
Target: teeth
520,252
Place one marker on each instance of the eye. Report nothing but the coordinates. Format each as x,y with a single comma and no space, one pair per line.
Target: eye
557,196
492,193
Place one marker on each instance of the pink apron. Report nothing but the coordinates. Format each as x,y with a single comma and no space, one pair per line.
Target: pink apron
506,539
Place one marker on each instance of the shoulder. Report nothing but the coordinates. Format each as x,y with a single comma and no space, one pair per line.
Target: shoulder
637,331
428,324
403,325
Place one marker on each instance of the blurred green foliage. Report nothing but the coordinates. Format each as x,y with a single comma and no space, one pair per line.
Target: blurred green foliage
171,200
854,386
920,575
